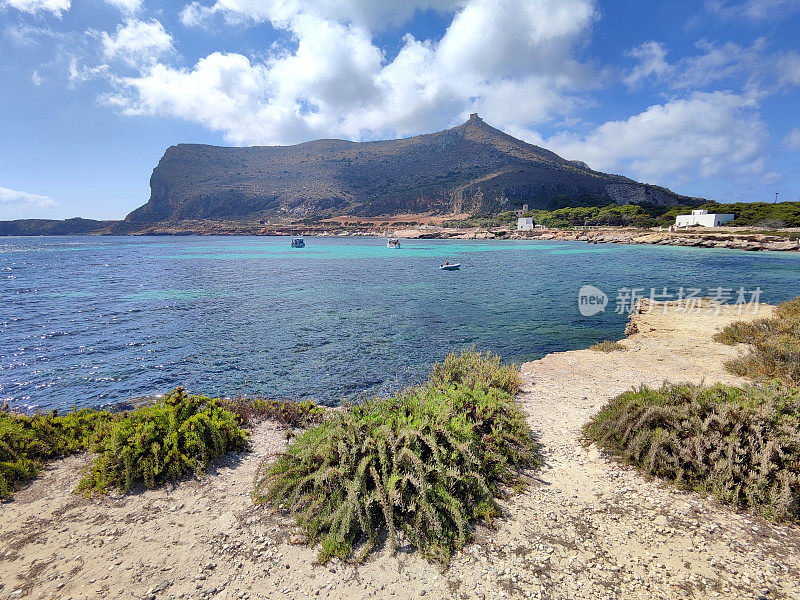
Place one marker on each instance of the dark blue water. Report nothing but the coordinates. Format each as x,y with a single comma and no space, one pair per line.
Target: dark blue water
91,321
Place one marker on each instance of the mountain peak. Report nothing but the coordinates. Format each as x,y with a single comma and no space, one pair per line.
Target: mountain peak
471,168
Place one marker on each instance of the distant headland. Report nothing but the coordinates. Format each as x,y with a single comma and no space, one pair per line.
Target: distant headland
470,169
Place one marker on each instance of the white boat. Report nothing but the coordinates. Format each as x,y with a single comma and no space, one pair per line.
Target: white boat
297,242
449,267
392,243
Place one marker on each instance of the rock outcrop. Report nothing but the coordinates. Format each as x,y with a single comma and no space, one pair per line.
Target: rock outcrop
472,168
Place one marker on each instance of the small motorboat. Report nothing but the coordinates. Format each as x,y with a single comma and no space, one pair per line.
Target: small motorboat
393,243
450,267
297,242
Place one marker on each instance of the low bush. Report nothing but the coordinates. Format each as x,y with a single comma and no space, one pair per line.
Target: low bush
775,352
740,445
178,435
608,346
474,369
27,442
428,462
293,414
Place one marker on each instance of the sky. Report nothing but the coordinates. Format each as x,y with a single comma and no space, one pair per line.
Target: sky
700,96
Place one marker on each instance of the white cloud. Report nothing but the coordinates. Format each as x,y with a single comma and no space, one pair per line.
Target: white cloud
220,91
514,61
652,63
788,68
80,73
792,140
512,39
756,10
753,69
56,7
126,6
15,199
361,13
704,135
36,78
137,42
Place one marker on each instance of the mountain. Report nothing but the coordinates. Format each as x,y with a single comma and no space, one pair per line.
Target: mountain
472,168
74,226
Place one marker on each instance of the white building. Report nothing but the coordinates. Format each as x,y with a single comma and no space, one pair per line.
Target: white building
703,218
525,224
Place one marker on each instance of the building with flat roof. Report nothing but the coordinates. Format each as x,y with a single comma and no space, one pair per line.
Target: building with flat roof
525,224
703,218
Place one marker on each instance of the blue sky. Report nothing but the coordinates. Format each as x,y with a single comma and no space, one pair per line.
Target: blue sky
702,96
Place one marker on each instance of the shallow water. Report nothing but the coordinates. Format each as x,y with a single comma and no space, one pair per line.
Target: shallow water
92,321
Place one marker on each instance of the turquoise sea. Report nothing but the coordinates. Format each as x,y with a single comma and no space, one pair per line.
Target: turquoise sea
94,321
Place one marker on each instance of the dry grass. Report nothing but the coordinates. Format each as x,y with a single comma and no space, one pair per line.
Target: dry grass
608,346
775,352
286,412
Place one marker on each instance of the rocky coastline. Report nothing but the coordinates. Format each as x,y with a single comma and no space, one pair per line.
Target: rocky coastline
785,241
427,227
734,238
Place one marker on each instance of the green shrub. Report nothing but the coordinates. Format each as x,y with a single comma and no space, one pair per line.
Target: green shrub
286,412
476,370
740,445
27,442
177,435
775,352
428,462
608,346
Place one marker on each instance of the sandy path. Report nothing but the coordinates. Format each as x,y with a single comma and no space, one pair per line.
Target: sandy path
586,528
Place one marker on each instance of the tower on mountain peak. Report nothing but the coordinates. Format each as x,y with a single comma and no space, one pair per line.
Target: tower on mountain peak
474,118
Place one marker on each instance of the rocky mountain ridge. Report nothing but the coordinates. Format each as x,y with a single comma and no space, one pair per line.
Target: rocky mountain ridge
472,168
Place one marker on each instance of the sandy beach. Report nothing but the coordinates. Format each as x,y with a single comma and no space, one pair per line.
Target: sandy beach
587,527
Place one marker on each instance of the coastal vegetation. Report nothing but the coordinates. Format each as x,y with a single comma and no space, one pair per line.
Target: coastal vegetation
608,346
28,442
168,439
741,445
474,369
587,211
426,464
775,345
177,435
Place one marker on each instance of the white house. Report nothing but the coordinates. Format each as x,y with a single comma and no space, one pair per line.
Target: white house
525,224
703,218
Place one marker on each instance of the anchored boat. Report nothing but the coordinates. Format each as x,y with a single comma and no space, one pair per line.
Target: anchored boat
297,242
393,243
448,267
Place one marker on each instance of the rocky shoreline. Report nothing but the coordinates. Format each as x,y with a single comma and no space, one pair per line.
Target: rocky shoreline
733,238
788,241
586,527
432,227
